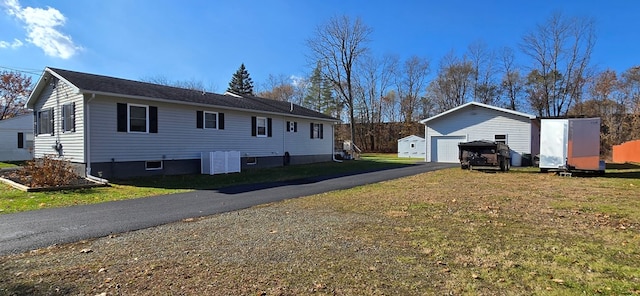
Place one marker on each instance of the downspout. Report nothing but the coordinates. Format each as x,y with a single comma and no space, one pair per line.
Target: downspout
87,141
333,143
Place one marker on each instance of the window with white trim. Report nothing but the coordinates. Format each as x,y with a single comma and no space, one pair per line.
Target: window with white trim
211,120
138,118
261,127
153,165
316,131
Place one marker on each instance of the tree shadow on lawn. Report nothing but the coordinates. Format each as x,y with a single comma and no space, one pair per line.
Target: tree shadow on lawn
248,180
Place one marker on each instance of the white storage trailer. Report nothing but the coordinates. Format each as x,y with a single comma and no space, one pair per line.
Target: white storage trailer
570,144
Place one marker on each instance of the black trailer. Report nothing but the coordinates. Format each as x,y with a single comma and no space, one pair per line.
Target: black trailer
484,154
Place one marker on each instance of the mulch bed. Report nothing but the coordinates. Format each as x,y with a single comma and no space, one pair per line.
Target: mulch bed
14,176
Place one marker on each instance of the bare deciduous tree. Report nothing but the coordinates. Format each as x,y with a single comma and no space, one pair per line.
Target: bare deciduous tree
279,88
411,84
339,45
14,91
512,82
485,90
451,86
560,49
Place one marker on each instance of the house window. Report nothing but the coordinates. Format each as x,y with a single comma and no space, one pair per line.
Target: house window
413,145
316,131
500,139
261,126
292,126
20,140
211,120
153,165
138,118
44,124
251,160
68,118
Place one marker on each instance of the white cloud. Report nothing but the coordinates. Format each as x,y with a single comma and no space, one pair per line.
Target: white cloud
15,44
41,29
297,80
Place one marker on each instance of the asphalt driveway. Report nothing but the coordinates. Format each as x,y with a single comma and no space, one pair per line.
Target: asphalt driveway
26,231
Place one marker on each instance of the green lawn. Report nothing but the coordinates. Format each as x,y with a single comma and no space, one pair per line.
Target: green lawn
9,164
13,200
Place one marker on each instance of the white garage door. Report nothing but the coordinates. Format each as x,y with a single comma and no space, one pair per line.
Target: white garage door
445,148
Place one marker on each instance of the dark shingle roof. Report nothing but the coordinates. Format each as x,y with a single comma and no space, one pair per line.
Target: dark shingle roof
105,84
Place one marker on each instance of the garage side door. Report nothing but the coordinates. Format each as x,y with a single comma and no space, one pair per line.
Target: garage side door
445,148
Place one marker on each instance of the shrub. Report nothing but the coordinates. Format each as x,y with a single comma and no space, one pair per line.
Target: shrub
47,172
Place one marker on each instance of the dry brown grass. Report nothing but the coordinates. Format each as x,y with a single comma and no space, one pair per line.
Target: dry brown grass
451,231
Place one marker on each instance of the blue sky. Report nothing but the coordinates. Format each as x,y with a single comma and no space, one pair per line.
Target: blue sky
208,40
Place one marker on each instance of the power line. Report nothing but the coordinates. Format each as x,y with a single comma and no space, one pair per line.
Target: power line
23,70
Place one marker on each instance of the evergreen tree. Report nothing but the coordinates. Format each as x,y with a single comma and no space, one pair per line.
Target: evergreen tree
320,93
241,83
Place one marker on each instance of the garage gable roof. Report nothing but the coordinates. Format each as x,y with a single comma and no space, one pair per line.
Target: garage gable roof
467,105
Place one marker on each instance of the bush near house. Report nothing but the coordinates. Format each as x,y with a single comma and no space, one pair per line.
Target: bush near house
46,172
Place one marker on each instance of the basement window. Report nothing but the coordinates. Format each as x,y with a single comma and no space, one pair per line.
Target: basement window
153,165
252,160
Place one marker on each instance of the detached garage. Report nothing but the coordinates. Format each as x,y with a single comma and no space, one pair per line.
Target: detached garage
476,121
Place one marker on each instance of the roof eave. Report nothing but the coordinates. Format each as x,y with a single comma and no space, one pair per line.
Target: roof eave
42,83
529,116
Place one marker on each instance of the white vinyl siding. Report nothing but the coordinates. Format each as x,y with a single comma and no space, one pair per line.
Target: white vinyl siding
72,142
479,123
178,139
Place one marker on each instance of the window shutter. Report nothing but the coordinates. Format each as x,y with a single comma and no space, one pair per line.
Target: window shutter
221,121
269,130
295,127
199,119
253,126
63,117
311,130
51,121
73,116
321,131
35,123
153,119
122,117
20,140
288,123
